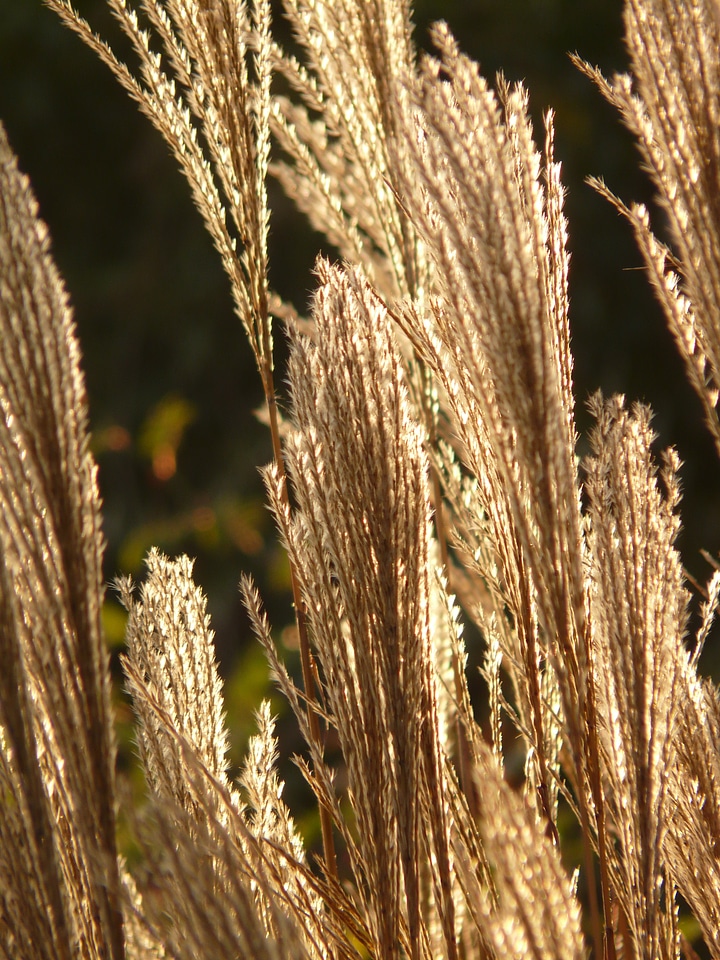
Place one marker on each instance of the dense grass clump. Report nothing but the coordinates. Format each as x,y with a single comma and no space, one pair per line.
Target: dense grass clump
424,476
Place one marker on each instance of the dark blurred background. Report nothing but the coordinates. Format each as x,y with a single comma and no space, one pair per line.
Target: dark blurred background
171,381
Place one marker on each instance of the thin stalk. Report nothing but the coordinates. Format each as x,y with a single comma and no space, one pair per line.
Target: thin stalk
581,723
532,672
596,787
589,865
461,733
329,854
584,746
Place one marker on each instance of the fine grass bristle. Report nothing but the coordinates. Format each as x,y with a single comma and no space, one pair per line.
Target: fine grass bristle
424,477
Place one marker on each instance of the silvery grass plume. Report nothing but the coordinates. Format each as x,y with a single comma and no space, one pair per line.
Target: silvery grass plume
428,452
59,870
671,104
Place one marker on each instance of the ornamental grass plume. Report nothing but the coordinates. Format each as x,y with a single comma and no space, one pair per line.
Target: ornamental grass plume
424,477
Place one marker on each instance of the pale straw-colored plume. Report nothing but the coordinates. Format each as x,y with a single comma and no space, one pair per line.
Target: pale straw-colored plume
193,83
360,479
638,612
535,912
345,137
498,343
425,477
671,103
59,880
360,543
230,861
172,677
692,841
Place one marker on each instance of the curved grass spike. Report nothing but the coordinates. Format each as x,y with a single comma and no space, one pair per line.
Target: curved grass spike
58,855
193,83
366,59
